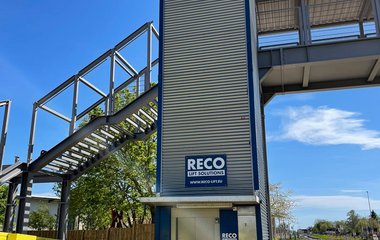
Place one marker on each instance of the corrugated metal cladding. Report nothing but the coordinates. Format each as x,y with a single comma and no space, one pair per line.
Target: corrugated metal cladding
205,99
260,135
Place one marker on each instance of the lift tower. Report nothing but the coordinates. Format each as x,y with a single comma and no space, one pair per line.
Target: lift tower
212,176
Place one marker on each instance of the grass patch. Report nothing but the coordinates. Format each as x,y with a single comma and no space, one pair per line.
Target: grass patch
329,237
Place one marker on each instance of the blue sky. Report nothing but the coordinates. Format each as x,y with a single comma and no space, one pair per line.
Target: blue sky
43,43
325,147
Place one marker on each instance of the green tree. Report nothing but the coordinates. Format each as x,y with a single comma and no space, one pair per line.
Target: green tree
340,226
352,222
3,201
281,205
362,226
321,226
116,183
41,219
374,215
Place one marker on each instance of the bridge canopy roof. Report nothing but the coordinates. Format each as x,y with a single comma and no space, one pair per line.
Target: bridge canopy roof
283,15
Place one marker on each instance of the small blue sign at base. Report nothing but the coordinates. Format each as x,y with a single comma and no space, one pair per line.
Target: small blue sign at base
206,171
229,229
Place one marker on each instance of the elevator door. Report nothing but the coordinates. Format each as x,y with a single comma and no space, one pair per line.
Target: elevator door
195,224
197,228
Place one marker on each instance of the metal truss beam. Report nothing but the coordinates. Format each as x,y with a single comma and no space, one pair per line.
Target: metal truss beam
317,53
320,86
12,171
374,71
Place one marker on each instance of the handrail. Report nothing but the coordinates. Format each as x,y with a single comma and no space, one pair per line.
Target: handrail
108,97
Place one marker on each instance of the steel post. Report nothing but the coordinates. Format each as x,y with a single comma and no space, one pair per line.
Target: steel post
148,58
376,15
110,107
4,132
74,108
24,202
361,29
304,23
9,208
138,90
63,213
32,132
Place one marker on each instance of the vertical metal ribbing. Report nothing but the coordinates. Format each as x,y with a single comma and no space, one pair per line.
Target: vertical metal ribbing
148,58
110,107
24,202
63,210
267,193
4,132
376,15
74,109
9,208
32,132
304,23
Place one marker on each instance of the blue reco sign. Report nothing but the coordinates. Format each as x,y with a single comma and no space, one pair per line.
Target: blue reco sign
228,225
206,171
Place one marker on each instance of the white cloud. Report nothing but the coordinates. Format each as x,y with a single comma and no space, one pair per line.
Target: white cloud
336,202
326,126
352,191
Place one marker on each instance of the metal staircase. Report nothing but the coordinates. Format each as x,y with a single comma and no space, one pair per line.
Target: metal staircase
99,138
86,145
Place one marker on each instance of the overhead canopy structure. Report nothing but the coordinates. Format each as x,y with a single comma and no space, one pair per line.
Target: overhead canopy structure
283,15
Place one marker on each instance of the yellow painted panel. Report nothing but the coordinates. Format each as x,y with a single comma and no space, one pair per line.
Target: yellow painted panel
3,236
14,236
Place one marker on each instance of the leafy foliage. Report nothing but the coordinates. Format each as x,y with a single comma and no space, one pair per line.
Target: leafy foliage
354,225
321,226
281,205
41,219
116,183
3,201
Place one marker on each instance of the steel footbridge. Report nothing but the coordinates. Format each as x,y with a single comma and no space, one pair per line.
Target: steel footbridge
302,45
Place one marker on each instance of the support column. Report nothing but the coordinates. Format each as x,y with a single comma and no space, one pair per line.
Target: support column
9,208
148,58
24,203
376,15
304,23
4,132
162,223
74,108
110,107
32,132
63,213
